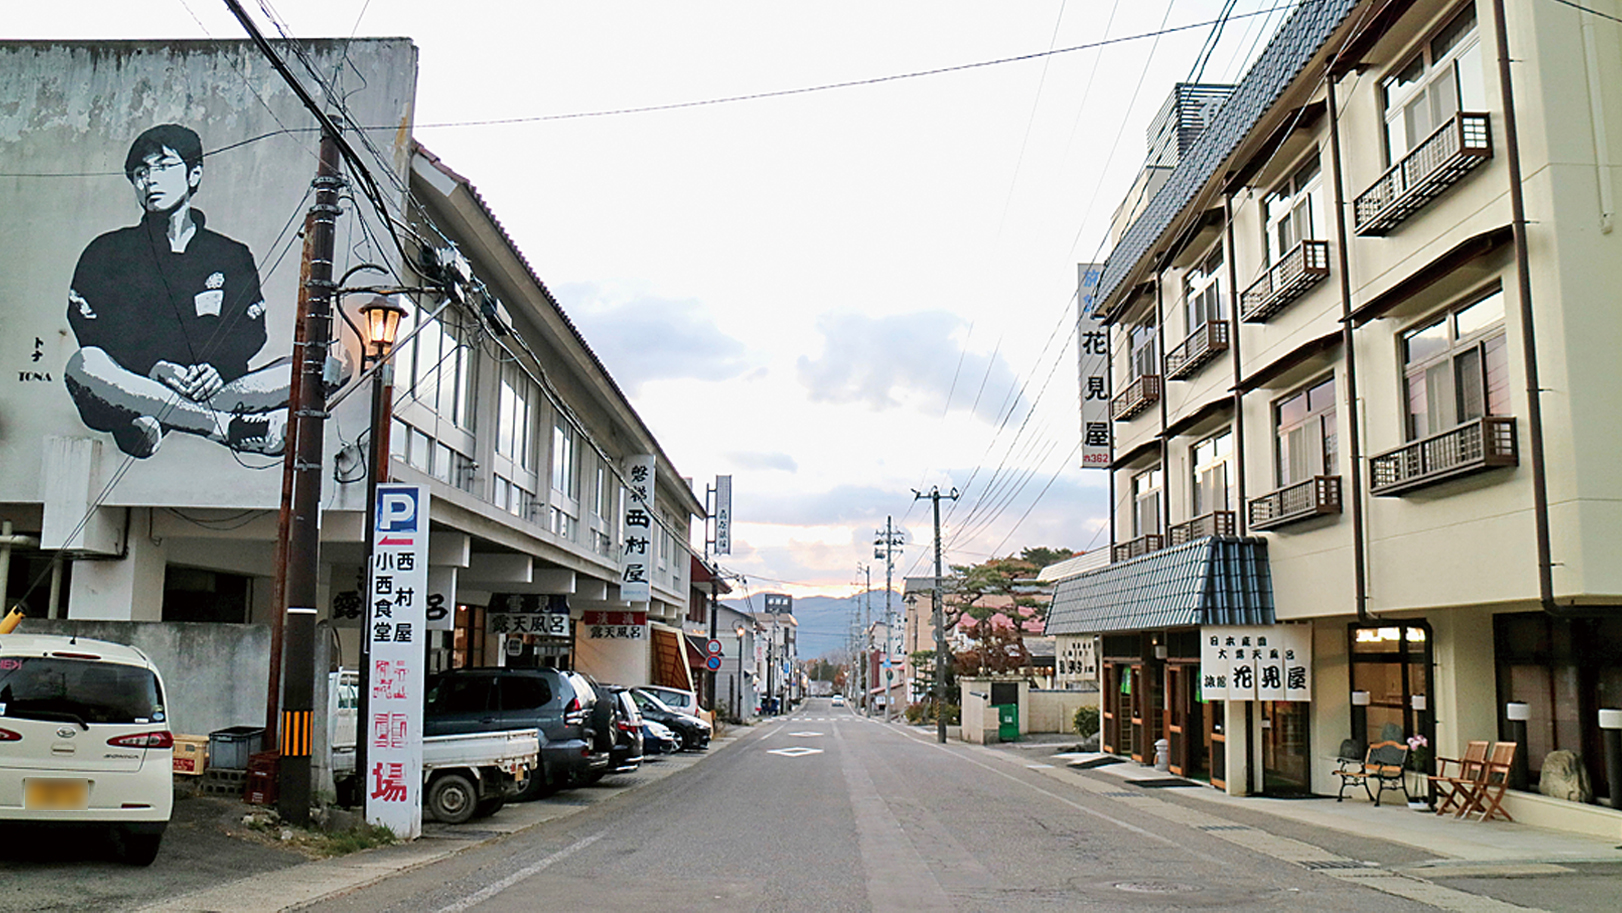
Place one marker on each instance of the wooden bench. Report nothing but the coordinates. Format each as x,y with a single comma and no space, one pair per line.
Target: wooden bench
1382,765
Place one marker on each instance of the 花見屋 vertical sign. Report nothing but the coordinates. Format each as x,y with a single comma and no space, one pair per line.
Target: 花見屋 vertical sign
1256,662
637,521
1092,347
396,622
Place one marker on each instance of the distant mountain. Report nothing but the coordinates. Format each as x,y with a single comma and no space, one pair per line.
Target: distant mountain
827,623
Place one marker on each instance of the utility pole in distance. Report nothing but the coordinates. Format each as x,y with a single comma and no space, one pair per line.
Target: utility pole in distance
867,641
941,658
885,546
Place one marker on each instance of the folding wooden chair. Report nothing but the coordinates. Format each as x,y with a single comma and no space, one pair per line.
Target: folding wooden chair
1489,792
1453,789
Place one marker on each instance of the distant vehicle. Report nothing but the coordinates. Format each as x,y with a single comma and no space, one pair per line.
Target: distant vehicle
84,739
677,699
694,732
657,738
839,700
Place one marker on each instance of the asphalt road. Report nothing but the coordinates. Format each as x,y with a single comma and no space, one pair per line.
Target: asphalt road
824,810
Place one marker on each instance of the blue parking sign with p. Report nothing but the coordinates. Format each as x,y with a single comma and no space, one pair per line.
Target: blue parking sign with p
397,508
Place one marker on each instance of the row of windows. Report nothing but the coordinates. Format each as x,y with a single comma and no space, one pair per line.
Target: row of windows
1455,370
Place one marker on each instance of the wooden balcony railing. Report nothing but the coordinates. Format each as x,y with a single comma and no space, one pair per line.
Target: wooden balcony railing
1444,157
1294,273
1204,344
1134,548
1486,443
1215,523
1314,497
1138,396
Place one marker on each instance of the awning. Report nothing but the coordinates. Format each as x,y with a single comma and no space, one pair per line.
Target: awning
669,663
1213,581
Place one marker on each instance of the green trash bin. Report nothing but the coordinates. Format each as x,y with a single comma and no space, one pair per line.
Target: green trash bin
1008,722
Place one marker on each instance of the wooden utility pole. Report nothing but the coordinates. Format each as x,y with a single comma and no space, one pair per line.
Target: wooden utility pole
941,657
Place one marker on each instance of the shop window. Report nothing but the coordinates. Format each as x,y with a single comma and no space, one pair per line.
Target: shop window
1565,671
1392,663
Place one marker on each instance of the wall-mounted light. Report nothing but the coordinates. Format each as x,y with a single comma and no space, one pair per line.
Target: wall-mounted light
1516,710
1360,698
1160,651
1417,702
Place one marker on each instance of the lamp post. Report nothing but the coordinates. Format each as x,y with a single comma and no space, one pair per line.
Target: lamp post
382,319
737,705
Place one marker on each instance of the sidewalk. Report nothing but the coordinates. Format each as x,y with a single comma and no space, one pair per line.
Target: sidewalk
297,886
1457,845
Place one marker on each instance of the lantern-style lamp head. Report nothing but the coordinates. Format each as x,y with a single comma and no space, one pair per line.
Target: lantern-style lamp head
740,632
382,323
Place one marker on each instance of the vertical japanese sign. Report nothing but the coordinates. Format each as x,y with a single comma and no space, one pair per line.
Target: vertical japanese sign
636,528
396,620
1092,347
1256,663
723,515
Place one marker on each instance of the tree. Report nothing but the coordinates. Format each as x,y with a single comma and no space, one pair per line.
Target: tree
998,599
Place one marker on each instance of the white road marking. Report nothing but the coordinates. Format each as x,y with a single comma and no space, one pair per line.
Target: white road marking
495,888
795,752
805,735
1038,766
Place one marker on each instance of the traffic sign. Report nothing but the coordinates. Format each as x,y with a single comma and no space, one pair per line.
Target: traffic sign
714,647
713,664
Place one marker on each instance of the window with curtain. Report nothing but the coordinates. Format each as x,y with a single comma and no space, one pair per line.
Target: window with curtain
1455,367
1442,79
1202,292
1209,487
1293,212
1307,441
1146,487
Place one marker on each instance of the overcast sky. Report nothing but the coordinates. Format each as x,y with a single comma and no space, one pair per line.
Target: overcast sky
836,296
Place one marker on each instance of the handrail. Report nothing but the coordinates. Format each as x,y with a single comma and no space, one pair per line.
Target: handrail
1202,345
1485,443
1453,150
1304,266
1314,497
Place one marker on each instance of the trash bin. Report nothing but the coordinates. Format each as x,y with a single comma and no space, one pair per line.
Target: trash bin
229,749
1162,754
1008,722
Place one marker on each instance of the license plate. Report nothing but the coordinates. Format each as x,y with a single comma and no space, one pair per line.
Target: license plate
57,794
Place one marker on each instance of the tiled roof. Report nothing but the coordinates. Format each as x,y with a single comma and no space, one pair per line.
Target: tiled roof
1291,47
1214,581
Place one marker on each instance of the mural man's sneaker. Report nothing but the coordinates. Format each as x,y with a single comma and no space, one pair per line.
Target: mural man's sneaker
263,432
140,439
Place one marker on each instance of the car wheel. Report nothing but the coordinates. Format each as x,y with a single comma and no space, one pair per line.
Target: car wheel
488,807
141,849
538,786
452,798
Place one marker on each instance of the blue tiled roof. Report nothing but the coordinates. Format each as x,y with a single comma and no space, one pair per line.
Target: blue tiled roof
1291,47
1215,581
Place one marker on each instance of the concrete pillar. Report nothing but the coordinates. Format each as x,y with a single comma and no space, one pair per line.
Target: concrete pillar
1237,765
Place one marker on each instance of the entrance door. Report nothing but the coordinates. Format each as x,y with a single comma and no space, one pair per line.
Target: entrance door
1141,709
1185,726
1216,742
1285,767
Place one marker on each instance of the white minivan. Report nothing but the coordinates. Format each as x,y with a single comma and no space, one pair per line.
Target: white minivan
84,740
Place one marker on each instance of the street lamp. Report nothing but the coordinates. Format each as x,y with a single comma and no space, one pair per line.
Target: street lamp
382,319
737,705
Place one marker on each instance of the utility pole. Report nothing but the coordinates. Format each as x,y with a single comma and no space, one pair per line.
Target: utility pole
941,658
867,640
885,547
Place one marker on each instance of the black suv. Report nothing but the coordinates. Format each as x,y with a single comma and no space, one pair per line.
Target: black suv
557,702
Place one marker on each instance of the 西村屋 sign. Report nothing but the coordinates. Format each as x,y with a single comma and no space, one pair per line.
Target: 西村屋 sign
396,621
636,520
1256,663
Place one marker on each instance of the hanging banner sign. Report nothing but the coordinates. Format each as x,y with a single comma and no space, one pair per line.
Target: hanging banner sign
636,523
723,515
397,588
615,625
528,613
1092,347
1256,663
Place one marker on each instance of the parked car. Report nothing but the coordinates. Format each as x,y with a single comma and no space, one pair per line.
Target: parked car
677,699
694,732
558,702
658,739
84,739
626,753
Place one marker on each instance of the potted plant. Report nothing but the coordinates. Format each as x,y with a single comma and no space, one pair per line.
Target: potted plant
1419,762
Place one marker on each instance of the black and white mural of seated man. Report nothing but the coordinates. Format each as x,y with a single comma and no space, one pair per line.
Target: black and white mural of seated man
168,315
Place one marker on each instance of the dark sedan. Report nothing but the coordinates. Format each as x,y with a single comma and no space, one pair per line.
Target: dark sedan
693,732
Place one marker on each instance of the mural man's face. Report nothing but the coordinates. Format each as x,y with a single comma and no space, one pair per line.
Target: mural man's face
163,182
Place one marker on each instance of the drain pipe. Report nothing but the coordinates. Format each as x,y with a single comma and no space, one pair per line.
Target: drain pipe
1242,508
1360,585
1523,281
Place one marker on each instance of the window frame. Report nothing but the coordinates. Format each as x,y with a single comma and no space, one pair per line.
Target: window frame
1323,459
1151,491
1204,292
1398,96
1295,191
1221,447
1482,342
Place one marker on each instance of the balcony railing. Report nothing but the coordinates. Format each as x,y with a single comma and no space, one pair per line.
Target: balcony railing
1138,547
1486,443
1138,396
1215,523
1204,344
1444,157
1314,497
1294,273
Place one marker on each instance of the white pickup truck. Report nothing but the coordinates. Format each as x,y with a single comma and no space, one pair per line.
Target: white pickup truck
464,776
